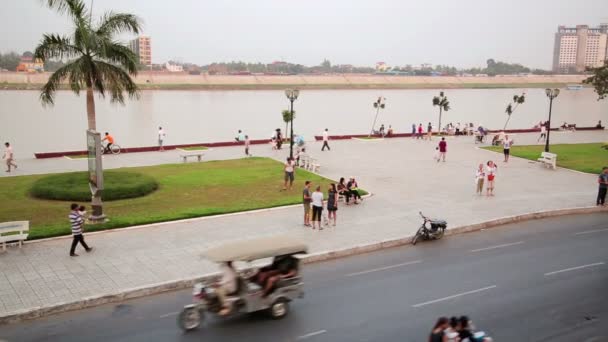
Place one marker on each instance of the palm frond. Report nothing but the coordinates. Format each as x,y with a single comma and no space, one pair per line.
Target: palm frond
113,79
121,55
74,8
115,23
52,85
436,101
55,46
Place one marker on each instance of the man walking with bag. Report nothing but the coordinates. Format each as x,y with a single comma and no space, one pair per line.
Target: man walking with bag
77,221
325,141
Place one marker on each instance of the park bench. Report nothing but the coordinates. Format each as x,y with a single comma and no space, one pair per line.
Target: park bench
548,159
13,232
198,155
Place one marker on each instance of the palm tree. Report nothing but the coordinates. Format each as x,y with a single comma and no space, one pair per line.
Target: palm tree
517,100
444,105
287,118
95,60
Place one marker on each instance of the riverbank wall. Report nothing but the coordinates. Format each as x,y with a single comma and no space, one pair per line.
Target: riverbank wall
182,81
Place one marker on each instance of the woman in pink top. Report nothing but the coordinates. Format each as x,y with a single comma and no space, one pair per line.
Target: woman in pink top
491,174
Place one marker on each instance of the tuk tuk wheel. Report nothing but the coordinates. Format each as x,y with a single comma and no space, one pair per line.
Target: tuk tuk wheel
189,319
279,309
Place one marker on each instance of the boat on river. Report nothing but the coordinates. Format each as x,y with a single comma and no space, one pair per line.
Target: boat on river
574,86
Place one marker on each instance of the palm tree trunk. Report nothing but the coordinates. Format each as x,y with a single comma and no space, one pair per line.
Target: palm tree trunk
507,122
91,109
439,127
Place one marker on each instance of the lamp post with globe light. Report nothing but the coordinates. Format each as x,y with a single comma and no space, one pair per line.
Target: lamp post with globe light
551,94
292,95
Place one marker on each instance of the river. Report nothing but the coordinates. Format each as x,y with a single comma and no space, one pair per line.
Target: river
208,116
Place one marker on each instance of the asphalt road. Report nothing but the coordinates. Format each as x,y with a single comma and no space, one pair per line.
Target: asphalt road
544,280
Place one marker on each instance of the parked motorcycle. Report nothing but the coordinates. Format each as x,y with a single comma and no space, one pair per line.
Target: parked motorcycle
430,229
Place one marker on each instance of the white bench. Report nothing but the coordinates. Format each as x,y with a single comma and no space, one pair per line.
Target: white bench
198,155
14,232
548,159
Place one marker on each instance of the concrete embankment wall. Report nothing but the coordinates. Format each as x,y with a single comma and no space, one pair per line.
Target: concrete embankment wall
175,80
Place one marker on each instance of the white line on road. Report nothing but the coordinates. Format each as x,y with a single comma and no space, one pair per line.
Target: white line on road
592,231
453,296
574,268
497,246
384,268
170,314
315,333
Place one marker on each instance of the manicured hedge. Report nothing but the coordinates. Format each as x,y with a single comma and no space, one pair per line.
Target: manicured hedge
74,186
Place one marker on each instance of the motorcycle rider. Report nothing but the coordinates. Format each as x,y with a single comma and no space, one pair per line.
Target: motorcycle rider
226,286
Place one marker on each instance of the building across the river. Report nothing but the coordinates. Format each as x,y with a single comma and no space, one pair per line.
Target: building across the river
143,50
579,47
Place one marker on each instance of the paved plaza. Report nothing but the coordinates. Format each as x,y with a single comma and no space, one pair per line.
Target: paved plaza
400,173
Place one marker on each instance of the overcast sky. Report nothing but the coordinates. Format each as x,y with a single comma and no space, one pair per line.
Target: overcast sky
462,33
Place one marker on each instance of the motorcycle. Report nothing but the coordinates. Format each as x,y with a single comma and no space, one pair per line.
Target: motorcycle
433,232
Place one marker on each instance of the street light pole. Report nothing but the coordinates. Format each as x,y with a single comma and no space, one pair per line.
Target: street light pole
551,94
292,95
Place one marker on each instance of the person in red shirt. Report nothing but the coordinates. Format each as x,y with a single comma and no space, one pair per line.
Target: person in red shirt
443,149
419,135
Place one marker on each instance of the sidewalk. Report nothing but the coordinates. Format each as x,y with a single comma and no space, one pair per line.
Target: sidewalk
401,173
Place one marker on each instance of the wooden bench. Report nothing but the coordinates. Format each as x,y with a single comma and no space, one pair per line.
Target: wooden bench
198,155
14,232
548,159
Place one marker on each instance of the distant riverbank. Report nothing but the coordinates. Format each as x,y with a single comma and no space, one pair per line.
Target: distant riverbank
177,81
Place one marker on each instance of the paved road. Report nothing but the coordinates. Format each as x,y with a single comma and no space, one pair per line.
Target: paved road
542,280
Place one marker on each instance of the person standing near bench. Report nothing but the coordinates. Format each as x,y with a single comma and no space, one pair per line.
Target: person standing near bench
289,173
325,141
603,186
9,157
77,221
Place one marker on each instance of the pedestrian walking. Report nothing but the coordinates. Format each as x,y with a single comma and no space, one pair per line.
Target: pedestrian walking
279,138
317,207
419,135
543,133
429,131
306,199
9,157
506,147
289,173
602,181
77,221
413,130
480,176
443,149
161,138
491,169
332,203
325,141
247,143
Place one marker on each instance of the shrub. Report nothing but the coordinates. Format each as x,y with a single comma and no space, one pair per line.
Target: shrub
74,186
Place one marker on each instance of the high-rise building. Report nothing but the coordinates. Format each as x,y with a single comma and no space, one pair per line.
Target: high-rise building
141,47
579,47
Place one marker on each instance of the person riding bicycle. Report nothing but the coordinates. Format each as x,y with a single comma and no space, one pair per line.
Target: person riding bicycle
110,140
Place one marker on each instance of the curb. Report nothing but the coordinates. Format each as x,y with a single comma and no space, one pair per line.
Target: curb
180,284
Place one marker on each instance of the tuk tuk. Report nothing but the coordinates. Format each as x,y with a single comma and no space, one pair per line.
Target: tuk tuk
250,295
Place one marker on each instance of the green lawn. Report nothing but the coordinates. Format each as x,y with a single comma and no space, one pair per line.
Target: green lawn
581,157
194,148
185,191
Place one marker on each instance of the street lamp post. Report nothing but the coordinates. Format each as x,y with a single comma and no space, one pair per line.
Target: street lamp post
551,94
292,95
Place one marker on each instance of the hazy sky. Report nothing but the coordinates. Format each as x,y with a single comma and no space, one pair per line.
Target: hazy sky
463,33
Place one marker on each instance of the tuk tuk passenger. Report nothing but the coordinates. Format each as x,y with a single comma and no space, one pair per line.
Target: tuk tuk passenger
287,267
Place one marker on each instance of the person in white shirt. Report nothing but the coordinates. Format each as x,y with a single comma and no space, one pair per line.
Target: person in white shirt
543,133
480,176
227,285
9,157
289,173
325,141
506,147
161,138
317,207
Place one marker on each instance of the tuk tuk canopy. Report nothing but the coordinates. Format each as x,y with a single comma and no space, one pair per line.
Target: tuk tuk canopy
253,249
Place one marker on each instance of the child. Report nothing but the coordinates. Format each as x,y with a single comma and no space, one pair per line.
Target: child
437,154
82,210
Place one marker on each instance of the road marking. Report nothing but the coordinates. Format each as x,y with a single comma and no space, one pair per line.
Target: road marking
384,268
303,337
497,246
574,268
592,231
453,296
170,314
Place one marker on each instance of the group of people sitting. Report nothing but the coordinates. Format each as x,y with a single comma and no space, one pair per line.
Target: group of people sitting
383,132
567,127
458,129
349,190
456,329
